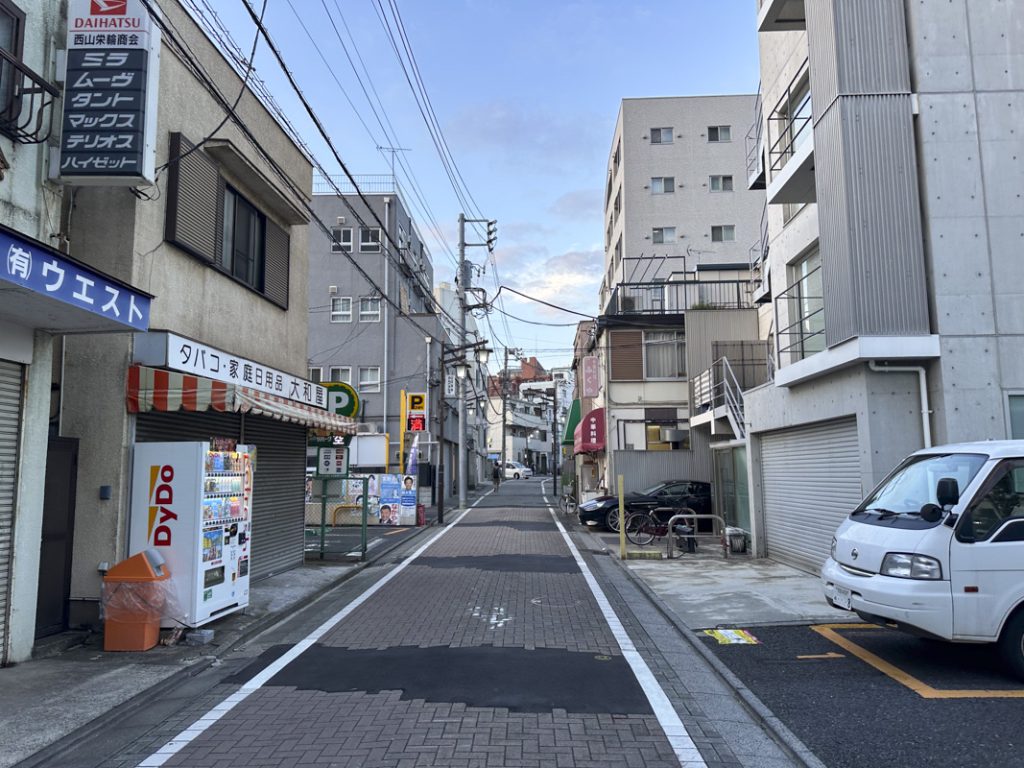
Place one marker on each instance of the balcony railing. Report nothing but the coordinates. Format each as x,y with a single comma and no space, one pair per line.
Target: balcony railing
755,147
678,296
746,365
804,333
27,101
368,184
758,257
790,121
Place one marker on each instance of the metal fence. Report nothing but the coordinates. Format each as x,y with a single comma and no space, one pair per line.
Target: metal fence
336,525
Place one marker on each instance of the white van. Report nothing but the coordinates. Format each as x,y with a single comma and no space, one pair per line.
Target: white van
937,549
514,470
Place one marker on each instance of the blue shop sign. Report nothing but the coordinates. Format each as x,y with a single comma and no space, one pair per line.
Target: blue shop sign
45,272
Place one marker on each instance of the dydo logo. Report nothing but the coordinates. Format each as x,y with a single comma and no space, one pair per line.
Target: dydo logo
161,499
108,7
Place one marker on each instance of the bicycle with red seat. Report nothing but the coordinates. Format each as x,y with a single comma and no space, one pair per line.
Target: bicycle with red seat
645,526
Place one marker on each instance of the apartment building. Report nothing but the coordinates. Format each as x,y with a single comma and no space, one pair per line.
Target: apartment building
382,348
891,270
679,225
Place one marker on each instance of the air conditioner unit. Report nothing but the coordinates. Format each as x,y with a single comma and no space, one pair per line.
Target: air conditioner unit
673,435
332,289
366,429
341,219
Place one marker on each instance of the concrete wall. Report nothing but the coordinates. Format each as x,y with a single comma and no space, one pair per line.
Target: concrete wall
967,65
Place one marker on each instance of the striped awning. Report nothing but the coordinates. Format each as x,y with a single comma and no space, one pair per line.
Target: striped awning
155,389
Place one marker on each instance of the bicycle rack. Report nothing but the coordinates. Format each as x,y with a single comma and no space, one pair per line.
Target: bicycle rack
670,536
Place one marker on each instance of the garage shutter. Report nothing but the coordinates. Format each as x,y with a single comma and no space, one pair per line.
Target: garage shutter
10,420
811,481
279,489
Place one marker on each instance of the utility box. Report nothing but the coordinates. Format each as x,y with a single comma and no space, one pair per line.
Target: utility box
135,592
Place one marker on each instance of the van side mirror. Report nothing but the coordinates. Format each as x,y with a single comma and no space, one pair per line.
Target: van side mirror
947,492
931,513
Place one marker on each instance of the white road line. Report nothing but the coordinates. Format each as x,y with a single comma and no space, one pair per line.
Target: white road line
186,737
678,737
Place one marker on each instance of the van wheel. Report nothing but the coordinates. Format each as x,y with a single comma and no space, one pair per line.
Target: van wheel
515,476
1011,645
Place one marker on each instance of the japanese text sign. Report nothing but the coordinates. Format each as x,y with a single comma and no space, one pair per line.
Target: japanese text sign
43,271
110,93
591,376
183,354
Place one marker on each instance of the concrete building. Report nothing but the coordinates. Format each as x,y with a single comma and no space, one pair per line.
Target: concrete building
33,316
520,414
356,336
894,171
217,239
679,224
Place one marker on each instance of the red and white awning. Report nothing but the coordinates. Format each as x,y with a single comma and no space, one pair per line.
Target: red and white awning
155,389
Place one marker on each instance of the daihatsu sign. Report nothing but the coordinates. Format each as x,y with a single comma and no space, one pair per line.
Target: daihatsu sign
110,94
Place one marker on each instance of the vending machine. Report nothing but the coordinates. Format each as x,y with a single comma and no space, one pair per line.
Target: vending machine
193,504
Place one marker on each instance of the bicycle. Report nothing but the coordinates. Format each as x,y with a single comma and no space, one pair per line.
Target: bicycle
567,503
643,527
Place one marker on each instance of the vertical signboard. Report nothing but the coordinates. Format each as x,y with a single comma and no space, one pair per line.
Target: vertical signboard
591,377
110,94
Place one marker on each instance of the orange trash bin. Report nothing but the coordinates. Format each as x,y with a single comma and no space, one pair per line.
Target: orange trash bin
133,601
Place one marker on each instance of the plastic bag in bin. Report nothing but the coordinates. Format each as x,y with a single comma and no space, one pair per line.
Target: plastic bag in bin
138,589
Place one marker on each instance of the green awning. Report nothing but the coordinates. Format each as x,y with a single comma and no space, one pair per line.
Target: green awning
571,423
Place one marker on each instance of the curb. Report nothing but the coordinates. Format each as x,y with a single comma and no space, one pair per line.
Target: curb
757,709
52,753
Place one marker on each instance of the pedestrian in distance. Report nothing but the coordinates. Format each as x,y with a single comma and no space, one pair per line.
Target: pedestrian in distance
496,476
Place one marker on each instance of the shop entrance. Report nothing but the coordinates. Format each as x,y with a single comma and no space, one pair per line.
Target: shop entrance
58,536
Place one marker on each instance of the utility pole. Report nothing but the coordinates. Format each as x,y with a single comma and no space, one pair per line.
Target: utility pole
442,481
463,279
504,408
555,463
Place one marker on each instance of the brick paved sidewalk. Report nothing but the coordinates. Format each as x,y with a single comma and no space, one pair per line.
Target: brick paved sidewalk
489,649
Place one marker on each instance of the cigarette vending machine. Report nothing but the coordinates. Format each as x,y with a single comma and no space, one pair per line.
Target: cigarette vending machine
193,504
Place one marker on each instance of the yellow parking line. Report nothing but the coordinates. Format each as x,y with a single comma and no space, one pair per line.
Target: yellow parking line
925,691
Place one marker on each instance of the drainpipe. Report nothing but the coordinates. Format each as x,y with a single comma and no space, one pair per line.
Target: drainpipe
923,386
384,308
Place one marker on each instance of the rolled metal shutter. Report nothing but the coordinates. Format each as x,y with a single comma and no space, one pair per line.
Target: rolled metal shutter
279,494
156,426
810,480
10,424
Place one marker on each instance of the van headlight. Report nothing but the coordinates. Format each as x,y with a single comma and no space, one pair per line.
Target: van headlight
904,566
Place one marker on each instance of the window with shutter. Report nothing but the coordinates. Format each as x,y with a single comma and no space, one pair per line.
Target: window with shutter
193,201
627,355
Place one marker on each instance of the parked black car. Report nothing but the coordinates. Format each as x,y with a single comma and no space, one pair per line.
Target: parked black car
604,510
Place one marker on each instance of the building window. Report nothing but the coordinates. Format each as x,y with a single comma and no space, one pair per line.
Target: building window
723,233
369,239
341,309
663,185
661,135
341,373
664,355
719,133
721,184
662,235
245,227
369,310
369,379
316,375
341,240
803,334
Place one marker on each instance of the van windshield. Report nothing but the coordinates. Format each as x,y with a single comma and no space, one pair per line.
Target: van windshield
913,483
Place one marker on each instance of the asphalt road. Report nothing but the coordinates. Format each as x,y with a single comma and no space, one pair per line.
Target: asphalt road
486,645
851,714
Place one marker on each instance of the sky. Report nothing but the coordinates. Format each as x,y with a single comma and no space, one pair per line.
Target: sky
525,94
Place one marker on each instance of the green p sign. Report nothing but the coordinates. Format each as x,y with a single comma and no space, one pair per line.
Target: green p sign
342,398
